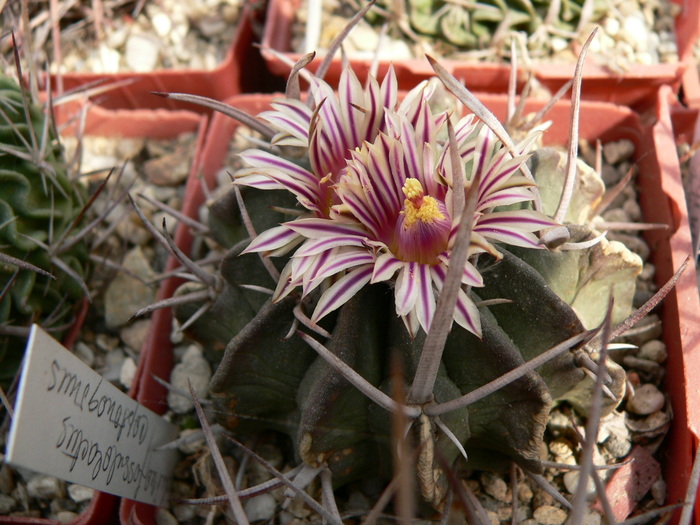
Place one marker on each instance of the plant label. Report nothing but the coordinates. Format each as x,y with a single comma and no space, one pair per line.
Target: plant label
71,423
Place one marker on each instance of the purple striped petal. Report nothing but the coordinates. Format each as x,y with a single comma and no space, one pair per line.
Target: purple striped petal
263,159
425,303
316,246
272,239
385,267
344,261
467,314
526,220
255,180
406,292
338,294
313,228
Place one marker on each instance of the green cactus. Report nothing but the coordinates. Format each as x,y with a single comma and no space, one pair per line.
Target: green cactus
474,26
516,304
39,204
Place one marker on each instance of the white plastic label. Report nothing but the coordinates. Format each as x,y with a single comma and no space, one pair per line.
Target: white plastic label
71,423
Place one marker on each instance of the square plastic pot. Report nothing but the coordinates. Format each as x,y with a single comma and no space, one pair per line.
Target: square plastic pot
135,89
104,508
662,201
637,86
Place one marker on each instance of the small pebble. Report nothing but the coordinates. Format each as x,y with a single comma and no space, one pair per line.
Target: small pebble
134,334
592,518
142,53
65,516
261,508
562,452
653,330
549,515
164,517
658,492
184,513
193,369
79,494
646,400
653,351
125,295
633,210
618,151
46,487
617,447
494,485
524,493
84,353
493,517
127,373
571,483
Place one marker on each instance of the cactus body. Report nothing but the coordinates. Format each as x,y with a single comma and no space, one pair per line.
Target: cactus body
265,381
269,378
38,204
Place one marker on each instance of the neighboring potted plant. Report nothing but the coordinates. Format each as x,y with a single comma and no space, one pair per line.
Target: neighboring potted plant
132,90
600,121
628,87
100,122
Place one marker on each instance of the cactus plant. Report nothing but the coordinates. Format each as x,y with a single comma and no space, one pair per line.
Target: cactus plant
40,205
376,186
459,26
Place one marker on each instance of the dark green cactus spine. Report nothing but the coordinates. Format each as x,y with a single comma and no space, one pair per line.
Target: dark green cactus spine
38,205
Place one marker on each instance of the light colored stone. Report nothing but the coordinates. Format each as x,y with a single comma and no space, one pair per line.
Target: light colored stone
184,513
109,59
654,350
46,487
592,518
192,446
79,494
211,26
134,334
164,517
127,373
618,151
571,479
141,53
162,24
494,485
125,295
549,515
193,369
658,492
113,365
646,400
84,353
261,508
65,516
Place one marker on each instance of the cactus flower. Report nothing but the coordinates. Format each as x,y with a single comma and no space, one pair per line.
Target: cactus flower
392,216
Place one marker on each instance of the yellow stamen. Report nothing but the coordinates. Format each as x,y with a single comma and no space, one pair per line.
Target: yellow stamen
418,206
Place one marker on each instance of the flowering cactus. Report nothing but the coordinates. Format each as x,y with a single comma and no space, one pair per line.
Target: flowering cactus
384,196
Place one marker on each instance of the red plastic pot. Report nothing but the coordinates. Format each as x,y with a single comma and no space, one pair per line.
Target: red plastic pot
103,509
227,79
156,353
661,198
636,86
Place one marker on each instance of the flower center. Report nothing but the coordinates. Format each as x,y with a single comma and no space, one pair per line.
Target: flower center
418,206
423,227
